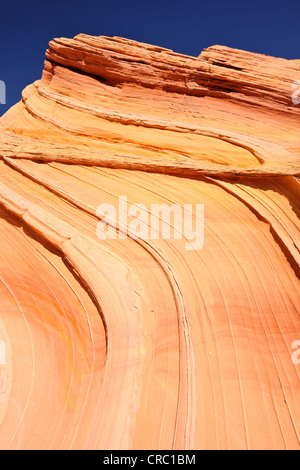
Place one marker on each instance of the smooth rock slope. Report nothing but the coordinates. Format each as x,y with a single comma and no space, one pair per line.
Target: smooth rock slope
137,342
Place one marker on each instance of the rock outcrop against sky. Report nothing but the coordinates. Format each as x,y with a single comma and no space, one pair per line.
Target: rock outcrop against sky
137,342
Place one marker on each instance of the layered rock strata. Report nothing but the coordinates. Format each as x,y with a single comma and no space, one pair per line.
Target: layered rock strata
136,342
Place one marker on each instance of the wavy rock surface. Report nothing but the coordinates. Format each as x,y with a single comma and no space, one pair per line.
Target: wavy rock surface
139,343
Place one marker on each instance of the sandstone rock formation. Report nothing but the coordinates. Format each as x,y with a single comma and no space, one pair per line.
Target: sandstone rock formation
138,343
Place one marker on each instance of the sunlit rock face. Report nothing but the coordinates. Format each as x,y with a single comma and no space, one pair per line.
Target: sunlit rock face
138,342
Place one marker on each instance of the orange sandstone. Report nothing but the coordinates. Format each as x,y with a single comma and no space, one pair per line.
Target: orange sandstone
140,344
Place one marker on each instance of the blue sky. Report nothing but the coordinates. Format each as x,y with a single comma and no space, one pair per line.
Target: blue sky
267,27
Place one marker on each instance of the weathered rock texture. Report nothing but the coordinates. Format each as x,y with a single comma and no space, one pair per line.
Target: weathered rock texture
142,344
